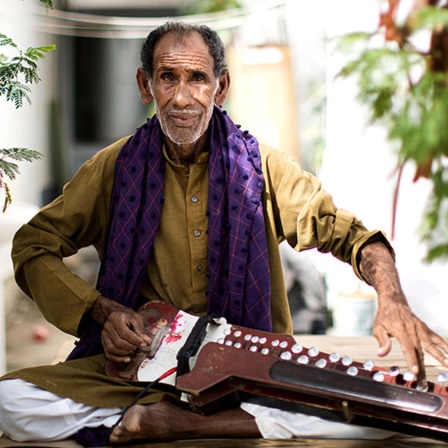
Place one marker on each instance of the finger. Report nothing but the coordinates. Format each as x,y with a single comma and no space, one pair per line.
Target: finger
413,352
384,341
122,329
422,383
120,339
118,359
113,353
437,348
139,331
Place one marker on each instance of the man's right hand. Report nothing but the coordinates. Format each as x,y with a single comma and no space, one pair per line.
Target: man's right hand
123,329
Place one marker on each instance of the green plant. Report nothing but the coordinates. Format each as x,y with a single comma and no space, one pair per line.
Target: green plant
10,169
405,89
17,72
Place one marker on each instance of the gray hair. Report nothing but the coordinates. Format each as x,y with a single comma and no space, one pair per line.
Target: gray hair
210,37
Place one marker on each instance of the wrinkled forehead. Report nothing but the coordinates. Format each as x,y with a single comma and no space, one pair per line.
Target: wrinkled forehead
182,48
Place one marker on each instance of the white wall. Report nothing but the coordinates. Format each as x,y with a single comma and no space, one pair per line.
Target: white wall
25,127
28,126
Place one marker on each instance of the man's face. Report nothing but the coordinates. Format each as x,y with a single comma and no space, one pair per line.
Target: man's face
183,85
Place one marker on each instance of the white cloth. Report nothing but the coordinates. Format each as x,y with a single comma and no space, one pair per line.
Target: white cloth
28,413
279,424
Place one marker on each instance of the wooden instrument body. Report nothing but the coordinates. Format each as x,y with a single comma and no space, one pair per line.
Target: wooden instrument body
224,375
235,363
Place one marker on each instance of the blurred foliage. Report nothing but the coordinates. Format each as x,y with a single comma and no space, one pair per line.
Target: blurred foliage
405,89
17,72
9,168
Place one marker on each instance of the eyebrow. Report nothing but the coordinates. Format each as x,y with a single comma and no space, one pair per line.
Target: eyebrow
193,71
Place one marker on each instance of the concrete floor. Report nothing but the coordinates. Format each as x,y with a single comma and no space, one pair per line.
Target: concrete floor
30,340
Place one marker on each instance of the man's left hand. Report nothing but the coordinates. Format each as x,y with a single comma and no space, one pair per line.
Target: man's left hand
395,318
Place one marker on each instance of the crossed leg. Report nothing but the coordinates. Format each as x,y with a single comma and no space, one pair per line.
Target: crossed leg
167,421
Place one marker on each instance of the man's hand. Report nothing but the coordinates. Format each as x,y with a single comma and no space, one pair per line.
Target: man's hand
123,329
394,318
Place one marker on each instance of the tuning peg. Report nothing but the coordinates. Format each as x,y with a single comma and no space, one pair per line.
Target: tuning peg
424,387
408,376
369,365
352,371
442,377
313,352
394,371
321,363
347,360
334,357
378,376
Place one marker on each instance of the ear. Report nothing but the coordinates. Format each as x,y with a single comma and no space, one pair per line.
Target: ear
143,86
223,89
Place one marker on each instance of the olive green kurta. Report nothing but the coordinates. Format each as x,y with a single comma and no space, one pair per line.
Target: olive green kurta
296,209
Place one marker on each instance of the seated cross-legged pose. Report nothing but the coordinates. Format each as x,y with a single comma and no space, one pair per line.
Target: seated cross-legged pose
188,210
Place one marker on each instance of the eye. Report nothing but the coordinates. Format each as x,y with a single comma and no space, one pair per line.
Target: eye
166,76
198,77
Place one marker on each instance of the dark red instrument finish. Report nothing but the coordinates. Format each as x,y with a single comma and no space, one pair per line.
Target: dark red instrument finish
249,363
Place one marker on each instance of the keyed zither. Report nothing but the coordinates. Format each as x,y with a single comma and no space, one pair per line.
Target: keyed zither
239,363
277,367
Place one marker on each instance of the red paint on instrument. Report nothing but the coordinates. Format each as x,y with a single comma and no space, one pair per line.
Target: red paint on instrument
176,331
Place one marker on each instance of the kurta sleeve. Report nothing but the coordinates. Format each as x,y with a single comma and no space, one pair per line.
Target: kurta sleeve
307,217
76,219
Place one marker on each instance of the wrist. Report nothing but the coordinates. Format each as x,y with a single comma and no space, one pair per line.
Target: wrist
377,267
103,307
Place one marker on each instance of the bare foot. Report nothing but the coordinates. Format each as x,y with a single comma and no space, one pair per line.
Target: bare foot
166,421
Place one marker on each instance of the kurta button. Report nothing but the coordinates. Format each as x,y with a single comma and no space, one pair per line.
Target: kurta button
197,232
199,267
194,199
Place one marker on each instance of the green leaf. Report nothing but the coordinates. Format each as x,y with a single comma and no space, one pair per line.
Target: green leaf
20,154
10,169
5,40
429,18
9,157
48,3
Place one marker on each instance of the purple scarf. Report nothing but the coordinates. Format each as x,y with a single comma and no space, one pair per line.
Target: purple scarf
239,285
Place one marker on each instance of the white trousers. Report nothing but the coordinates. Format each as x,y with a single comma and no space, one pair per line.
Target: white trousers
30,414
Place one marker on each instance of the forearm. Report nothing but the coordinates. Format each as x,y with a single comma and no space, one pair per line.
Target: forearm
61,296
377,266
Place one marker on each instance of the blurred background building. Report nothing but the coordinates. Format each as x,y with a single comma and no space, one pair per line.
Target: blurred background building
283,90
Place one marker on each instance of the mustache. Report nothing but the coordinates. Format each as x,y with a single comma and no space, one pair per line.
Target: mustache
182,112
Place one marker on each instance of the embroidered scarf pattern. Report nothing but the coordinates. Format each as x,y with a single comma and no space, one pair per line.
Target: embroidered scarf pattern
239,284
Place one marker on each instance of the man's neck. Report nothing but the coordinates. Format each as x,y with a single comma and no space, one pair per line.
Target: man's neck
186,154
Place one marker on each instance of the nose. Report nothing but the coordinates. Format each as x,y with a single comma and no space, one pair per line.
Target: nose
182,96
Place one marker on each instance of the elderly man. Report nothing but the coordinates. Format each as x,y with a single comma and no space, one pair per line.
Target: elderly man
189,210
